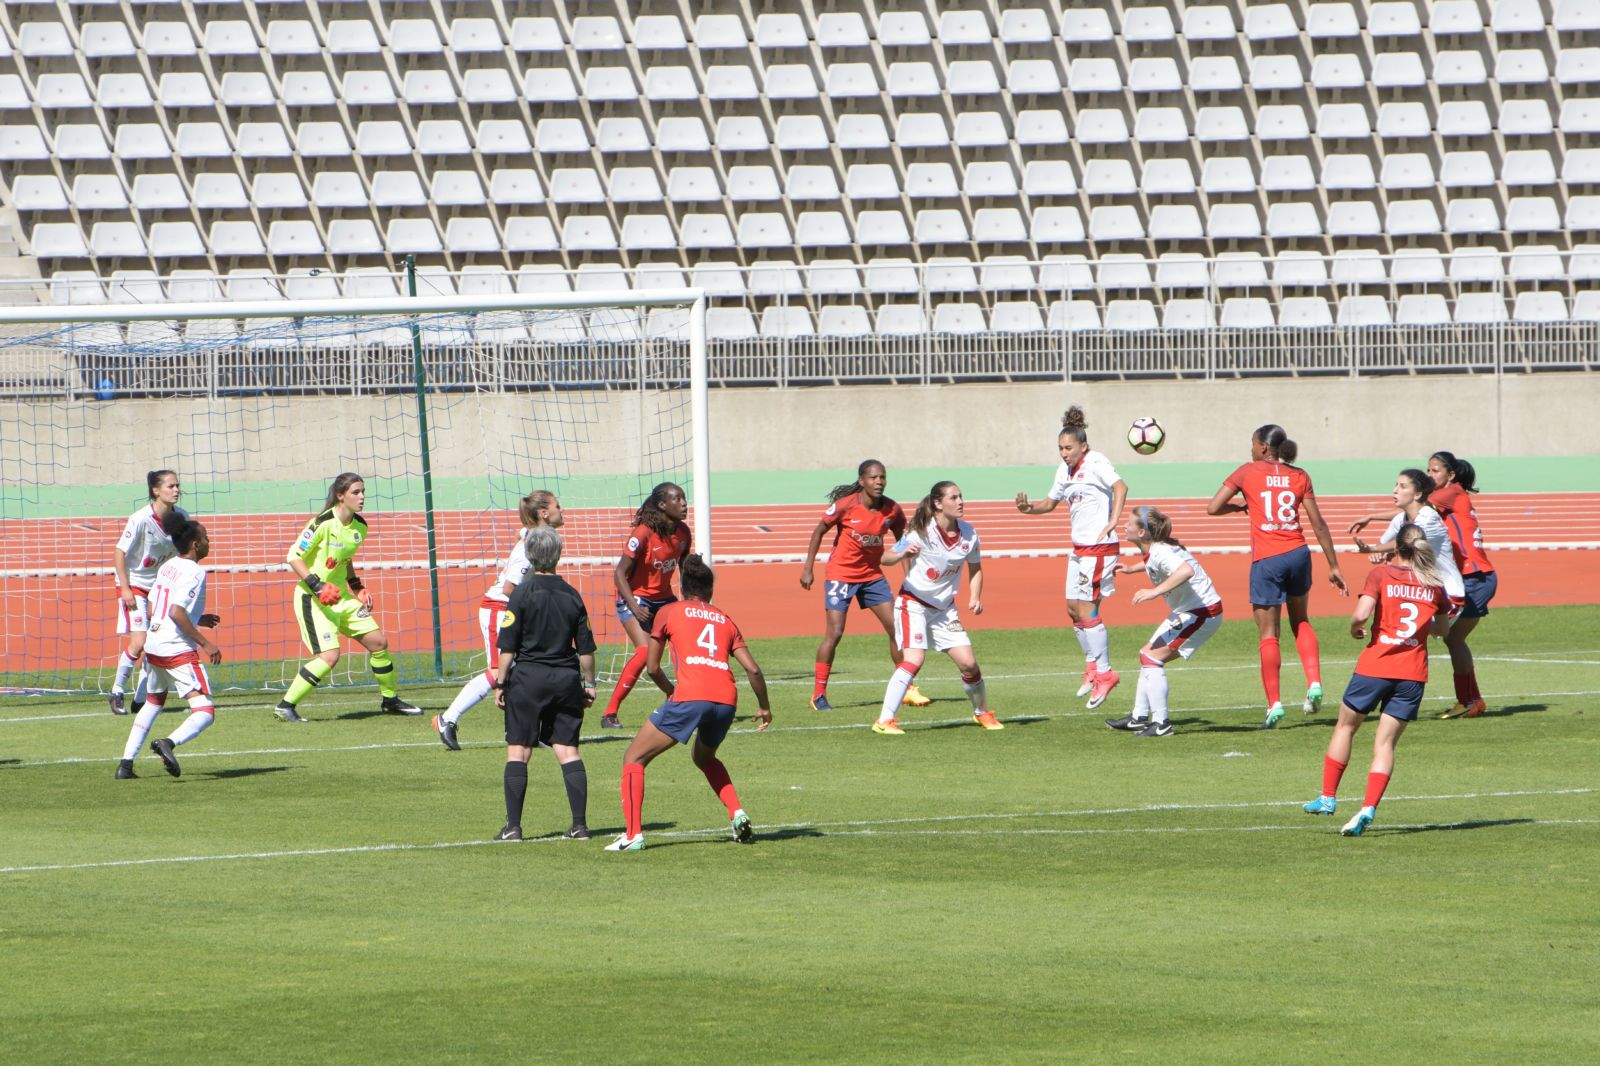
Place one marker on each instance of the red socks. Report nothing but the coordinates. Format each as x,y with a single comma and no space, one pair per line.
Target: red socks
633,797
1271,663
717,777
630,677
1305,645
1331,773
820,686
1376,783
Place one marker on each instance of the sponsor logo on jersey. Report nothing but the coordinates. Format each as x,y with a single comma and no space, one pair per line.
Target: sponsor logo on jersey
330,563
701,660
149,561
868,540
507,619
304,542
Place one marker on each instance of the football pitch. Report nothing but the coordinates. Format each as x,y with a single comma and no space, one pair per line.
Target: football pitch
1053,892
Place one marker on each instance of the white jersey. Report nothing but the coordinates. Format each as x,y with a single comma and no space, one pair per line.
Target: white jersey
145,545
179,583
933,575
1197,593
1086,488
512,573
1432,527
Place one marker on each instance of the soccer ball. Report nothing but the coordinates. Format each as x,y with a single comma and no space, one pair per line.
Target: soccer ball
1146,436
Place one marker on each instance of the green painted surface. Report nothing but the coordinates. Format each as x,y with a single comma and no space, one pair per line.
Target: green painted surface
1146,478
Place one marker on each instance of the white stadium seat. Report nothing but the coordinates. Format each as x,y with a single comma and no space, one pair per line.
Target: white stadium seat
1539,307
1085,26
1303,269
102,192
1074,315
1304,311
1287,173
1131,315
1393,18
1422,309
1480,307
40,192
1465,170
1417,266
1521,66
1188,313
903,29
1247,312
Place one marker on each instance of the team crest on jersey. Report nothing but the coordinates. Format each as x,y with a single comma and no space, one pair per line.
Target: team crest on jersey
507,619
330,563
356,536
833,509
149,561
633,544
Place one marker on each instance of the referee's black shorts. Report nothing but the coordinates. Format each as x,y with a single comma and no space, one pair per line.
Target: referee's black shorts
543,706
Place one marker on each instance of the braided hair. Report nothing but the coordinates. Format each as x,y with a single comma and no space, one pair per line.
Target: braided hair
651,516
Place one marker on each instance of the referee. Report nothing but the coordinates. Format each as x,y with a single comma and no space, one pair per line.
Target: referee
544,643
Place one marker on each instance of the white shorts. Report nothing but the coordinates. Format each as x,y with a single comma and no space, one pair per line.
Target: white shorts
181,674
1186,631
489,612
920,627
1091,577
135,619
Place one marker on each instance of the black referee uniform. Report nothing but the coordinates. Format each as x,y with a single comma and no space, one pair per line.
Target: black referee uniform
546,626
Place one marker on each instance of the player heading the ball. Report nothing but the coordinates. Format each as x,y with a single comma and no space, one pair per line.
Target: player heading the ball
1095,497
330,601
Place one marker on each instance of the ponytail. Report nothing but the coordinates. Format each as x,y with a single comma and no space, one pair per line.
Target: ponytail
340,486
1412,547
926,507
1157,525
153,480
531,505
1075,425
1461,471
182,530
1277,443
695,578
839,492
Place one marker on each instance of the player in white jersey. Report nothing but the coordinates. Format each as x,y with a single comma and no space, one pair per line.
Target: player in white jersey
1095,496
538,508
178,638
1411,491
139,553
1196,616
936,546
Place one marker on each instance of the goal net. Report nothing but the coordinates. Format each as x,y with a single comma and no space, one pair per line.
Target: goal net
452,408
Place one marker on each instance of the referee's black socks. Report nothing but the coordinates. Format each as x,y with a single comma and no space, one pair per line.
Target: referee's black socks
577,782
516,791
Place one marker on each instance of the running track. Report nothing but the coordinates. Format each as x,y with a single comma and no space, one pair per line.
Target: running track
1542,545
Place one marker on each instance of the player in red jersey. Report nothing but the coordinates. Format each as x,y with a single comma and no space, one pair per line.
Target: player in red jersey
1274,494
643,574
1404,601
1456,481
703,638
864,521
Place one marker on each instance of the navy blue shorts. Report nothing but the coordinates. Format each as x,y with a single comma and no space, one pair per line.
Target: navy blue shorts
625,616
1274,579
680,720
838,594
1397,699
1480,590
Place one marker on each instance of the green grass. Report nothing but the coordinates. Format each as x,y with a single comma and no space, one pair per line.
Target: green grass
1050,893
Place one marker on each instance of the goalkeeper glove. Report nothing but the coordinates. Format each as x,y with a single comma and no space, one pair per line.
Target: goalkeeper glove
328,595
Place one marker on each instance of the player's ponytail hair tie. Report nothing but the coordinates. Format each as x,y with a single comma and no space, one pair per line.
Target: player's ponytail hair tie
927,507
1276,440
1075,425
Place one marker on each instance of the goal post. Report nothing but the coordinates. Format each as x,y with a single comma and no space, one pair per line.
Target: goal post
452,407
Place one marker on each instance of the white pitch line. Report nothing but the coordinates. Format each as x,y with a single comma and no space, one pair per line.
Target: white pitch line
847,829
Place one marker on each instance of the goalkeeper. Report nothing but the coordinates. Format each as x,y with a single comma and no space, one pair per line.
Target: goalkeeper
329,599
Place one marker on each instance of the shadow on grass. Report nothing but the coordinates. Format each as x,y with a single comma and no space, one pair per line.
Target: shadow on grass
1443,827
760,838
1022,719
242,771
1206,725
1516,708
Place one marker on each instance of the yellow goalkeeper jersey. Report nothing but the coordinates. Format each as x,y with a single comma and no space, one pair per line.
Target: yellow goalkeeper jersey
326,547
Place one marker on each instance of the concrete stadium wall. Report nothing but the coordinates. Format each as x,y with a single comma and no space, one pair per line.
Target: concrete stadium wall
1206,421
805,429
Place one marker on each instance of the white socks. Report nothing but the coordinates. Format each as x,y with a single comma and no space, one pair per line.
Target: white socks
898,683
142,689
193,725
977,692
1097,645
141,728
125,667
468,697
1152,692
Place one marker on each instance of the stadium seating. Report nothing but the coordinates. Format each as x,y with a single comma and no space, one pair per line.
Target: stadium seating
1437,149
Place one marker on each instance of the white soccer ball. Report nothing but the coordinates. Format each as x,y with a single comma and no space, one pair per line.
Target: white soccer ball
1146,436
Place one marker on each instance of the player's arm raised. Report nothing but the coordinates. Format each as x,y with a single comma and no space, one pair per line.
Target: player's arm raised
811,555
1027,506
1377,516
1325,540
758,685
1221,503
652,664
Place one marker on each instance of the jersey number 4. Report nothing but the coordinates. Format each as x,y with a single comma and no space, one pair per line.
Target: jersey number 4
708,640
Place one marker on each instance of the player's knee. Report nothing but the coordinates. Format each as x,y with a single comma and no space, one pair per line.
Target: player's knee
377,642
331,656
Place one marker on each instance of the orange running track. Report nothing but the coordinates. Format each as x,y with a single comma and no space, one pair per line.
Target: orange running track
1531,539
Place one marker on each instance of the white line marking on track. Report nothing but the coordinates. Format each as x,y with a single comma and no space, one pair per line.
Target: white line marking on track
865,829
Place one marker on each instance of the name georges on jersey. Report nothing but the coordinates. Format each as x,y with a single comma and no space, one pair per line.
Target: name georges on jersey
706,616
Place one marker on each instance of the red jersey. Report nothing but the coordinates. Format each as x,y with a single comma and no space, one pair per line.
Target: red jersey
654,559
1461,522
703,638
1398,649
857,553
1272,494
